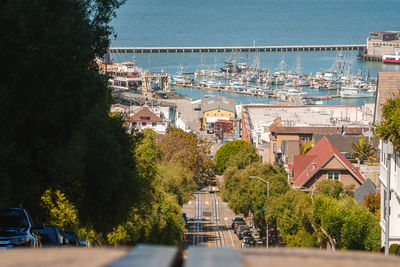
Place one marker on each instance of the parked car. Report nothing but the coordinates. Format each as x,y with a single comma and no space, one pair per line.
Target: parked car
241,228
249,242
17,229
53,236
244,233
235,220
72,238
237,224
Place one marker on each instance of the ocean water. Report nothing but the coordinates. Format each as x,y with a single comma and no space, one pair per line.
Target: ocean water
263,22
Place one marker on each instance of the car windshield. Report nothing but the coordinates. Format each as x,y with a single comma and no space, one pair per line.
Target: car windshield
238,219
12,218
48,235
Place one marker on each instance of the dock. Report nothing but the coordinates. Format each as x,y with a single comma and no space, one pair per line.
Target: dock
228,49
220,89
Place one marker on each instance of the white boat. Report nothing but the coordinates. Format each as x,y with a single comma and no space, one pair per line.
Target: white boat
214,84
356,93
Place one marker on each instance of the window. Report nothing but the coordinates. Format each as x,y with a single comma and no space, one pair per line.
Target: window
144,124
145,118
153,124
219,110
333,175
134,123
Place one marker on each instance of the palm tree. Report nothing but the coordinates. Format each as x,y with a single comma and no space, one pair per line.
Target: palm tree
363,150
306,147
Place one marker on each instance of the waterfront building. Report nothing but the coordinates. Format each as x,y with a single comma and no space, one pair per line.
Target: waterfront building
323,162
389,177
218,111
383,43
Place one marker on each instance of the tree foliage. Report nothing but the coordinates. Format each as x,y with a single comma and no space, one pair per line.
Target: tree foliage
363,150
388,128
332,188
56,128
372,202
57,132
230,149
188,150
245,195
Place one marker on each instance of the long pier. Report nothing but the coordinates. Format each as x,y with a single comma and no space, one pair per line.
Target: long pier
228,49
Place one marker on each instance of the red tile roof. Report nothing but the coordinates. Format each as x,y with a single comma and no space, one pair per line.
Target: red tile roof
319,156
145,115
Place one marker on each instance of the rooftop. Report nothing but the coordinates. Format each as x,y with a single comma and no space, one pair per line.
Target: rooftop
306,166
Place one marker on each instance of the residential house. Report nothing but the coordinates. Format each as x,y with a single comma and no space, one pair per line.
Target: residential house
389,177
324,161
286,138
144,118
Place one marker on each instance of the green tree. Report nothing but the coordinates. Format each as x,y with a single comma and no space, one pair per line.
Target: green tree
55,111
229,150
363,150
388,128
245,195
187,149
60,210
330,188
244,157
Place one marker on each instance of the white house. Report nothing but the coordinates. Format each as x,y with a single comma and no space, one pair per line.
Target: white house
144,118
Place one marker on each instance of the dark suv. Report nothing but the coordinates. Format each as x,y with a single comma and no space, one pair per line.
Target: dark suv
17,229
53,236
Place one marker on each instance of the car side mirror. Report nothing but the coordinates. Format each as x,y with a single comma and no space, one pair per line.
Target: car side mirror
38,226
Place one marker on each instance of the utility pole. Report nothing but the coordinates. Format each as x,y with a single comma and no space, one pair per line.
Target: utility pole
256,177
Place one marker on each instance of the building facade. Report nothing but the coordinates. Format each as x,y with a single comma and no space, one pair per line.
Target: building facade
383,43
389,176
217,108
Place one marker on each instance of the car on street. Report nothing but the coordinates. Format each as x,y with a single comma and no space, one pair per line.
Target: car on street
17,229
244,233
240,229
249,242
53,236
235,220
237,224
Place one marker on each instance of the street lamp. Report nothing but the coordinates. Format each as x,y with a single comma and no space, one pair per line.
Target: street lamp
259,178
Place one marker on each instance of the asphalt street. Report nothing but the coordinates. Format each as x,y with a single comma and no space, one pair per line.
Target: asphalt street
209,221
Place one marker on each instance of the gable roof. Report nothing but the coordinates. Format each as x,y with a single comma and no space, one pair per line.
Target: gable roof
306,166
143,114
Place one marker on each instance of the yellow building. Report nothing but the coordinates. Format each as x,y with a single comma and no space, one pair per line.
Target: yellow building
217,108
